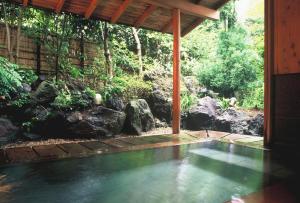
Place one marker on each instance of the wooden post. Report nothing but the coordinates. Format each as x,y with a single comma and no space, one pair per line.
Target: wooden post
176,71
268,73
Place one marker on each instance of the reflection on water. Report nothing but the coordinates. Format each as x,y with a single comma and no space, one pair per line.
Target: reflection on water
207,172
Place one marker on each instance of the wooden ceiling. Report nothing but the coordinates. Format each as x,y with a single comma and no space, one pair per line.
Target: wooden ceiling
149,14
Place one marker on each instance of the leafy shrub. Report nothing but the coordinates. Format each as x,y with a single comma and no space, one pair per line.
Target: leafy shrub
128,87
22,100
235,67
63,100
10,80
224,103
253,97
187,101
75,72
67,99
90,93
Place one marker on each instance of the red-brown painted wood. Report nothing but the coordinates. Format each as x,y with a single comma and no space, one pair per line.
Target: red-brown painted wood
120,11
159,18
176,71
25,2
91,8
287,32
268,71
167,27
145,15
59,6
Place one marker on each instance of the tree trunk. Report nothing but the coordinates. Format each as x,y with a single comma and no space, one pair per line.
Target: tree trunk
139,50
82,51
8,35
38,57
57,52
19,35
108,60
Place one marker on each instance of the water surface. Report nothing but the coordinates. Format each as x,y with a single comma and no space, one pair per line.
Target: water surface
209,172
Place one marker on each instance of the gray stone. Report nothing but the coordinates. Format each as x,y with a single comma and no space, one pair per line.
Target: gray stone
8,131
96,122
161,105
115,103
31,136
202,115
138,117
256,125
160,124
232,121
45,93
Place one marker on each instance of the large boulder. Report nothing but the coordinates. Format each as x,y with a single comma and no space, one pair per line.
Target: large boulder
45,93
160,104
96,122
8,131
138,117
256,125
233,121
115,103
48,122
202,115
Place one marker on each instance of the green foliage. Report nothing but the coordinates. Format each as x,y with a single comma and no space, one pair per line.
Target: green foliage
128,63
90,93
225,103
70,100
63,100
27,126
187,101
236,65
28,76
254,96
227,58
129,87
10,80
21,100
75,72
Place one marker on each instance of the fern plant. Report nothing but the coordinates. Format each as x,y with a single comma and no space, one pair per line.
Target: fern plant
10,79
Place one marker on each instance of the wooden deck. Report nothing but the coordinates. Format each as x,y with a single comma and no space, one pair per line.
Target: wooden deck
122,144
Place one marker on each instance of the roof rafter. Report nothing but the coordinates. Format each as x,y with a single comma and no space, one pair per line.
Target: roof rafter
192,26
25,2
197,22
59,6
145,15
167,26
187,8
90,10
120,11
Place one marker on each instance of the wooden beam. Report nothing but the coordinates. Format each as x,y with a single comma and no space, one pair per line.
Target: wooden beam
25,2
144,16
59,6
268,72
187,8
120,11
192,26
176,71
198,21
167,26
90,10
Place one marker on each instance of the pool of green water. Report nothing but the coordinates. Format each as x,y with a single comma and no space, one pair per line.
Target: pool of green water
209,172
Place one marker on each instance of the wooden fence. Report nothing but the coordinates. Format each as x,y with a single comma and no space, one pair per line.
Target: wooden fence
34,56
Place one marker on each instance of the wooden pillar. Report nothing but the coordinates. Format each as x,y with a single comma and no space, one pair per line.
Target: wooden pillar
176,71
268,72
